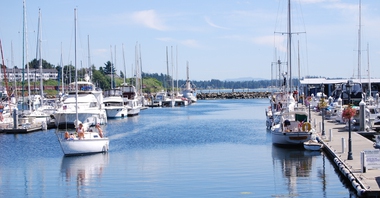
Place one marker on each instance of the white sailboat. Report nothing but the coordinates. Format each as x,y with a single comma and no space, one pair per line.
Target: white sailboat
294,127
91,142
188,90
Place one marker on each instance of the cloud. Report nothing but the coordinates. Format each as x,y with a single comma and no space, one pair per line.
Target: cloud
208,21
150,19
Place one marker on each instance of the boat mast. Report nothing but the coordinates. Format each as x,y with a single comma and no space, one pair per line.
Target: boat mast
125,70
75,62
359,44
111,66
23,53
289,47
369,73
40,53
62,73
89,58
5,76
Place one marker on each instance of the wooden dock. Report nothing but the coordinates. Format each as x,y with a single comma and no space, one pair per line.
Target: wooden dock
366,182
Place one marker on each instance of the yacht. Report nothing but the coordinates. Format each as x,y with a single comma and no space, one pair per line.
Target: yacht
132,100
89,106
114,104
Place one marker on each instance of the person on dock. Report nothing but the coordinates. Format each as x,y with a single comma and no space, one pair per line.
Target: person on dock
100,131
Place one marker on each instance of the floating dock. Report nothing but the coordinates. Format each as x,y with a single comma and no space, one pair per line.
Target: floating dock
365,181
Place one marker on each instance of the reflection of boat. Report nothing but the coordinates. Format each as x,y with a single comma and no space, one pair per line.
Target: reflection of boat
294,164
312,145
83,169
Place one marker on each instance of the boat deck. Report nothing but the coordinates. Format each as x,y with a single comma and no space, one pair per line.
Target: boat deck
366,182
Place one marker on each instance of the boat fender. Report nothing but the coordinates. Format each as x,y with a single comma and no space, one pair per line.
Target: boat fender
306,126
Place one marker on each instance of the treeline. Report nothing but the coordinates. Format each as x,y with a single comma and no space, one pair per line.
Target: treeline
217,84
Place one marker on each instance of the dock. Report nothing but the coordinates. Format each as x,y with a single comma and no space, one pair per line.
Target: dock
366,182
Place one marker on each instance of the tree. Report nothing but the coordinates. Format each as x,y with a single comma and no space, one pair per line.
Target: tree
108,68
35,64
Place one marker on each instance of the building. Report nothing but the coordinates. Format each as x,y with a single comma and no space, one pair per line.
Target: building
34,75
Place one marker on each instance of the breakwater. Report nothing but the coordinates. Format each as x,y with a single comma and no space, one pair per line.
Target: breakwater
232,95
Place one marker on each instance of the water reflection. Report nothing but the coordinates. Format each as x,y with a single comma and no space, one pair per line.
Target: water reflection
83,169
295,165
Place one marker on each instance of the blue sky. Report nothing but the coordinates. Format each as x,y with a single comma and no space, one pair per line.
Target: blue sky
221,39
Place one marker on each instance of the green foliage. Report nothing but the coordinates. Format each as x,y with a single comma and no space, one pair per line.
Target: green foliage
35,64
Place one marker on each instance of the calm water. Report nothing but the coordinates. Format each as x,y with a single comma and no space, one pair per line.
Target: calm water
215,148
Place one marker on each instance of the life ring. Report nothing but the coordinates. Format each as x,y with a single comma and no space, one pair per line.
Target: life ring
306,126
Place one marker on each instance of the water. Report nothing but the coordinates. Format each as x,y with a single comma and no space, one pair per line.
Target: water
214,148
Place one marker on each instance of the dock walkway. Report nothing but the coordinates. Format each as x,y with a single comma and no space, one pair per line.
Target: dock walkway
365,182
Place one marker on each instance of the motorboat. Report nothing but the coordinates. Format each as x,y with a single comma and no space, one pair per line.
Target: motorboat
90,105
132,100
160,98
114,104
312,145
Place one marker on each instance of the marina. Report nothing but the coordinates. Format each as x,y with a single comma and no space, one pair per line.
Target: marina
217,148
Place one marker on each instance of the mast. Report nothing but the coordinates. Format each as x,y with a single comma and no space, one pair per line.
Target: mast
359,44
369,73
89,58
111,66
125,70
289,47
40,53
23,52
113,72
167,69
141,84
75,61
62,73
5,76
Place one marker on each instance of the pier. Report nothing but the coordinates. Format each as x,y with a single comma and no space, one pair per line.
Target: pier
365,181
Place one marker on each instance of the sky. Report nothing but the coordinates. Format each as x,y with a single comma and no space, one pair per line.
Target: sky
217,39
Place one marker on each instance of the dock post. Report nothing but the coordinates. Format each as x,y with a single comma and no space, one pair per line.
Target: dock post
343,145
362,162
331,134
15,118
320,127
362,115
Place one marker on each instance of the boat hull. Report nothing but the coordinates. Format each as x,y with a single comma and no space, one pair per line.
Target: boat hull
82,147
312,146
117,112
290,138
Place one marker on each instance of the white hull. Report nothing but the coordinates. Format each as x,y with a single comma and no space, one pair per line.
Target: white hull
92,143
116,112
312,146
133,111
290,138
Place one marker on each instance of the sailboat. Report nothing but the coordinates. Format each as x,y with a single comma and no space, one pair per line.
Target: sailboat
294,127
91,142
188,91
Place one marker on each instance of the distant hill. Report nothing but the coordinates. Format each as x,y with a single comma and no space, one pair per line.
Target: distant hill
244,79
